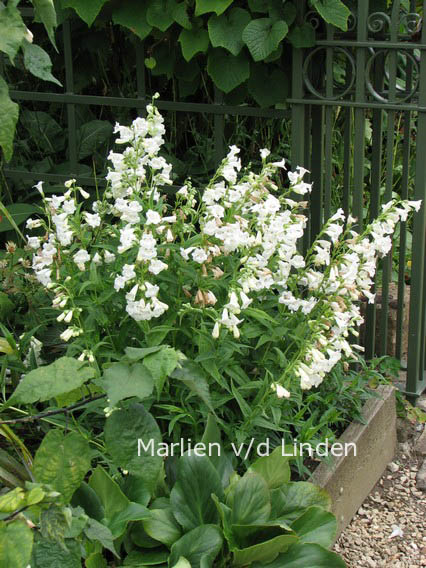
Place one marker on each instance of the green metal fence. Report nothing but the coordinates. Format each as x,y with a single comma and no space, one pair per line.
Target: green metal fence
381,83
382,58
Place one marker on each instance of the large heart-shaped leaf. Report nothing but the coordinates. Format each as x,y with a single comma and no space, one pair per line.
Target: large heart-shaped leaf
190,497
131,437
13,29
249,500
268,84
262,36
131,14
226,70
86,10
226,30
62,461
205,6
123,381
334,12
62,376
160,13
199,546
193,41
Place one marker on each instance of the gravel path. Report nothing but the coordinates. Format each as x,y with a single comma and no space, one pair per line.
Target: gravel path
389,530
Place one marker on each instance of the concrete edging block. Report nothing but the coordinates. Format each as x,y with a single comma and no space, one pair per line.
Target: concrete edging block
350,479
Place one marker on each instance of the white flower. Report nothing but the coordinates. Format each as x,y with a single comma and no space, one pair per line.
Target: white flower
199,255
93,220
80,258
83,193
280,390
216,330
127,238
33,223
39,188
264,153
152,217
109,256
67,334
156,266
183,191
147,248
33,242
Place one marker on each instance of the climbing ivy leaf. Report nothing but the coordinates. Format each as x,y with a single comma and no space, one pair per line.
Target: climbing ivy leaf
227,71
333,11
160,14
226,30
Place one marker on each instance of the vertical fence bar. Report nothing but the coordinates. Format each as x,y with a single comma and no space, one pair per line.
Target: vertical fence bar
297,110
69,85
317,169
390,142
416,334
219,126
329,115
359,120
140,76
347,159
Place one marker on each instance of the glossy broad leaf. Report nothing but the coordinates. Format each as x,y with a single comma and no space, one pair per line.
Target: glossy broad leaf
48,554
123,430
263,552
274,469
162,526
62,376
16,541
249,500
190,497
161,365
316,526
292,499
304,556
226,30
62,461
263,36
199,546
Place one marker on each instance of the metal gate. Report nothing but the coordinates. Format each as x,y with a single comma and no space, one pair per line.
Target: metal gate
372,81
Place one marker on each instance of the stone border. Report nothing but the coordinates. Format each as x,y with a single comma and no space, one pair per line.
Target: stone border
350,479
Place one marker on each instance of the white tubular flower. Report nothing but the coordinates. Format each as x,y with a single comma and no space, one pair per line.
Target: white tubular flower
216,330
264,153
80,258
199,255
67,334
39,187
127,238
280,390
109,257
33,242
93,220
152,217
156,266
33,223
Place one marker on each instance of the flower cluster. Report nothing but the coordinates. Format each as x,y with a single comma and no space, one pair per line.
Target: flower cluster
221,255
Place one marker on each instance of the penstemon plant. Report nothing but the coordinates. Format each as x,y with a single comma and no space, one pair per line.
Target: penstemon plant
218,277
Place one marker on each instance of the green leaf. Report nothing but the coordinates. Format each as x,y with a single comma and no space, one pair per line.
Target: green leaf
9,112
160,14
109,493
302,36
131,14
333,12
180,15
123,429
62,461
199,546
146,558
43,127
193,376
96,560
226,30
258,5
190,497
48,554
99,532
91,136
133,512
263,552
16,541
161,365
268,86
53,524
292,499
19,213
227,71
205,6
182,563
304,555
316,526
45,13
138,353
193,41
13,29
263,36
249,500
162,526
12,500
134,489
62,376
123,381
274,469
86,498
86,10
37,62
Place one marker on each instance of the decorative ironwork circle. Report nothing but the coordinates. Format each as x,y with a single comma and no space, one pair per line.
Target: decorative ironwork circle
307,80
415,76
